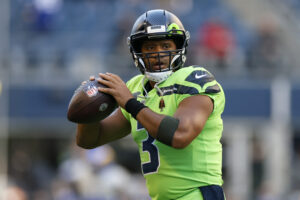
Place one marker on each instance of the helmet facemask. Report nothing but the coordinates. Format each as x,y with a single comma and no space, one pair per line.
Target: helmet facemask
176,58
159,73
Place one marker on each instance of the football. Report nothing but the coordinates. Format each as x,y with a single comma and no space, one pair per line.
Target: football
89,105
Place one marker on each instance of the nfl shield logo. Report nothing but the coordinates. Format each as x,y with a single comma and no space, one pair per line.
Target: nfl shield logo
92,91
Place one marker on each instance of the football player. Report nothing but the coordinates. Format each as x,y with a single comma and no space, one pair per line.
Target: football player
173,113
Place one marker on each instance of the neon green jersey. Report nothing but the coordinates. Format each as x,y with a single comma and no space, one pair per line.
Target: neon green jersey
175,173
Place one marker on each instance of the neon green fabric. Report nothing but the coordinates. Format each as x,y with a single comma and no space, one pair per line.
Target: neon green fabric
177,173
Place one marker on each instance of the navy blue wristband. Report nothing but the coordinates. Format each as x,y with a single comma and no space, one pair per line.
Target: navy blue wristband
133,107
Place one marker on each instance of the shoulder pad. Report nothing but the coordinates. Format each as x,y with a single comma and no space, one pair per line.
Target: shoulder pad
212,89
200,76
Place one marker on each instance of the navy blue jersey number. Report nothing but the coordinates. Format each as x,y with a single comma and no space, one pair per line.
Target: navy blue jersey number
148,146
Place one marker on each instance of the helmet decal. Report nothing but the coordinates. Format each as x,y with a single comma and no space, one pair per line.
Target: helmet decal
156,29
176,27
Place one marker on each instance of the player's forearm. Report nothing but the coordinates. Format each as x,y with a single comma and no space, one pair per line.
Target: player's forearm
161,127
87,135
150,121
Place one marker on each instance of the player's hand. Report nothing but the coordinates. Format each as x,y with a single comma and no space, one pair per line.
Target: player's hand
116,87
92,78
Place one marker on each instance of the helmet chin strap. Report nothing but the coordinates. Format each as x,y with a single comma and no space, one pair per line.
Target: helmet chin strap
158,77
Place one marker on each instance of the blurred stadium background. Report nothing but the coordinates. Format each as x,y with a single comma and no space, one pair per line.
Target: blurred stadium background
47,47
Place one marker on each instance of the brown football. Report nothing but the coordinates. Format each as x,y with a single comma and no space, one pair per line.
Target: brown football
89,105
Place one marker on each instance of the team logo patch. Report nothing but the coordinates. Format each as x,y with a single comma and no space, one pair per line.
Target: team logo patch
174,28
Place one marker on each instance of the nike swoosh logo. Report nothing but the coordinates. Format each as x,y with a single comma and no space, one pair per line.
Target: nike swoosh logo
199,76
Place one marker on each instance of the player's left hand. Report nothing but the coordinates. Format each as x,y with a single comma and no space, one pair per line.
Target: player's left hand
116,87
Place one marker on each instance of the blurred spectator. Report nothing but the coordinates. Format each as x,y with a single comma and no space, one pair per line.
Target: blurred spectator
216,42
62,190
45,12
216,49
265,56
15,193
42,194
20,166
32,165
95,174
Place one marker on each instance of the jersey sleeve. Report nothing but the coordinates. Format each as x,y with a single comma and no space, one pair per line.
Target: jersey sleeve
197,80
125,114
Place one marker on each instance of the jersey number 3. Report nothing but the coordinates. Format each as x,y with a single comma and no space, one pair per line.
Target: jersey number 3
148,146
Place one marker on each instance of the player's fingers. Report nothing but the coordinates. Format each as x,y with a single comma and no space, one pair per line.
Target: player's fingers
104,76
109,77
108,83
106,90
113,75
83,82
92,78
117,77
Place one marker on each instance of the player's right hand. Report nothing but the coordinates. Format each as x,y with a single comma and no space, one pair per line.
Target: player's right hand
115,87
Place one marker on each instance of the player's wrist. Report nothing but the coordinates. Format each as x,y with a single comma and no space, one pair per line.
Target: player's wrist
133,107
